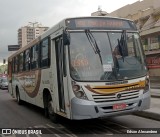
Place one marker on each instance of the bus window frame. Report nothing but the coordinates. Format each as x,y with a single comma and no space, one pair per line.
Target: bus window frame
16,62
40,54
13,65
28,61
19,69
36,46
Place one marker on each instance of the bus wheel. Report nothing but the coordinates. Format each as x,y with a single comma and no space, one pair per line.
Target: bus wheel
52,115
19,101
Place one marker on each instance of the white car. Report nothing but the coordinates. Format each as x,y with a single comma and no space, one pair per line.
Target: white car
3,83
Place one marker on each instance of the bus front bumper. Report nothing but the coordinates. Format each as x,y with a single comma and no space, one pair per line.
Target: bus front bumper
84,109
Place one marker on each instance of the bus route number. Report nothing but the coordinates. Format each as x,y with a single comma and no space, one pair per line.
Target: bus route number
80,62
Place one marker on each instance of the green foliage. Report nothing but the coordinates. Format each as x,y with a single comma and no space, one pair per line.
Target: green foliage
3,69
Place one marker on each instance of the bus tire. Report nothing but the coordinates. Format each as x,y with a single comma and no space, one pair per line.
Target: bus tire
52,115
19,101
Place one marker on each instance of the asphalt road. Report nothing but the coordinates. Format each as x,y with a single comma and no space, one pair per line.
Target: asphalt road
28,116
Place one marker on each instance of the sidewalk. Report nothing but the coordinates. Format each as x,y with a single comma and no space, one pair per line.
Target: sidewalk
155,82
154,111
155,93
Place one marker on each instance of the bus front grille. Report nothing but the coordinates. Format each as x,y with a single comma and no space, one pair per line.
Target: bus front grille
120,96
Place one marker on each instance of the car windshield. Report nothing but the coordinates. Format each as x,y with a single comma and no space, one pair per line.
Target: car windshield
106,56
4,79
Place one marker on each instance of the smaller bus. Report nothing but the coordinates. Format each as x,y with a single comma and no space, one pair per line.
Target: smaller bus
83,68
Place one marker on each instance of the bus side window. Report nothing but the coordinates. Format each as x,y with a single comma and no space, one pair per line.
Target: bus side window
21,64
13,65
16,64
45,56
27,60
34,57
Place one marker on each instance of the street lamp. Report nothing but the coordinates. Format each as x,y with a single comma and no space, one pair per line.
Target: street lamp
4,61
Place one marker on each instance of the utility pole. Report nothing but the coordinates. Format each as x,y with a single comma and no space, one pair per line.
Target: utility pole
4,61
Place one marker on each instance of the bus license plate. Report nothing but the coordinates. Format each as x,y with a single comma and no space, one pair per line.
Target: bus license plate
119,106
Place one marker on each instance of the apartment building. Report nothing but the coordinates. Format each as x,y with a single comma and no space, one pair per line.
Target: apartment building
28,33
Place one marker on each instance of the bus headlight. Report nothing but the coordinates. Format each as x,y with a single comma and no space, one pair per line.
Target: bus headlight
147,85
76,88
78,91
79,94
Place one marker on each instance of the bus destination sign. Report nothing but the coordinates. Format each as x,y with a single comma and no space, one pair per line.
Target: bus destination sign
100,23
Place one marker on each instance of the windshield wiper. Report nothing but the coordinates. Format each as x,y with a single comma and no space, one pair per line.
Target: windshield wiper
122,45
93,43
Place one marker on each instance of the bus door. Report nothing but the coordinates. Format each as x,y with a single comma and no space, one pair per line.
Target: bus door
10,77
61,78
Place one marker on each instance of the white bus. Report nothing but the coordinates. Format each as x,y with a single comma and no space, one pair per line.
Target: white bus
83,68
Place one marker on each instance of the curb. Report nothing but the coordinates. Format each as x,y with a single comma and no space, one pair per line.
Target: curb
148,114
155,87
155,96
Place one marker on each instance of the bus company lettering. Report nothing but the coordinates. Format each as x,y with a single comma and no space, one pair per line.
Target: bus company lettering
116,82
32,83
134,87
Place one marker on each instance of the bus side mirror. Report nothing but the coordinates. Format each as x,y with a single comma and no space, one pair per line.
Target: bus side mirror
66,38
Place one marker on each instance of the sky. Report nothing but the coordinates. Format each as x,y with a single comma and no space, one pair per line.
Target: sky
15,14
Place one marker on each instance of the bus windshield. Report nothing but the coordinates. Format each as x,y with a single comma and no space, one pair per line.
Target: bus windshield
106,56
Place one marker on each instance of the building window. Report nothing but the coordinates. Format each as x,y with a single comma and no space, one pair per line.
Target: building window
154,40
154,43
145,43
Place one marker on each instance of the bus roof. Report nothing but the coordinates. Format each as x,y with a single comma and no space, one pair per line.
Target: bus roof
88,22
